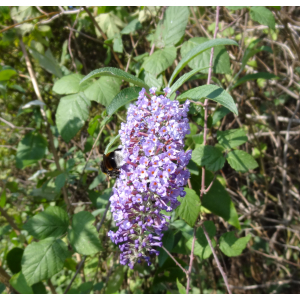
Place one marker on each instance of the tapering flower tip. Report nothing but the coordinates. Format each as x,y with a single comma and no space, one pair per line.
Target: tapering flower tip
152,177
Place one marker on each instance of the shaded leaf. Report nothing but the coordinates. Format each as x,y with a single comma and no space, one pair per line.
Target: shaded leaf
71,114
209,156
198,50
83,235
232,138
241,161
202,248
114,72
171,29
44,259
69,84
168,242
264,75
189,208
18,282
131,27
212,92
53,222
125,96
263,16
14,258
221,62
30,149
160,60
232,246
103,90
115,281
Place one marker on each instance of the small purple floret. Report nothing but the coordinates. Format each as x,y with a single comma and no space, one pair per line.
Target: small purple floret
153,174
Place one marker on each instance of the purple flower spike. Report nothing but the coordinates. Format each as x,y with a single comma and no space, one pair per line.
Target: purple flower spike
152,177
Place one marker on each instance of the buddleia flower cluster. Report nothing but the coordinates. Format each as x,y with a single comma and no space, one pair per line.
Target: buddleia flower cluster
152,176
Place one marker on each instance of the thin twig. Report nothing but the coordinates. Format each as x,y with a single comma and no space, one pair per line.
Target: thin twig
216,259
188,274
176,262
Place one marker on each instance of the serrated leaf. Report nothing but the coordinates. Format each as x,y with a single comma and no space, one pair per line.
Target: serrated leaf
232,138
18,282
115,281
44,259
71,114
69,84
113,140
83,235
198,50
217,199
114,72
209,156
232,246
264,75
189,208
202,248
103,90
30,149
53,222
263,16
125,96
170,30
47,62
180,287
212,92
109,23
183,79
221,61
160,60
241,161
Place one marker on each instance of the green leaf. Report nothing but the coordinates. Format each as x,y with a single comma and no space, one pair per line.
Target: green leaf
264,75
103,90
114,72
168,243
71,114
152,80
183,79
60,181
209,156
113,140
14,258
118,44
232,138
198,50
219,114
109,23
160,60
241,161
44,259
202,248
235,7
192,167
133,26
99,200
171,29
232,246
189,207
221,62
7,74
212,92
125,96
69,84
217,199
115,281
18,282
30,149
180,287
53,222
3,198
47,62
83,235
263,16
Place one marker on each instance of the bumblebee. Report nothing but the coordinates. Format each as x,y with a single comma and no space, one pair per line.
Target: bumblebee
111,163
